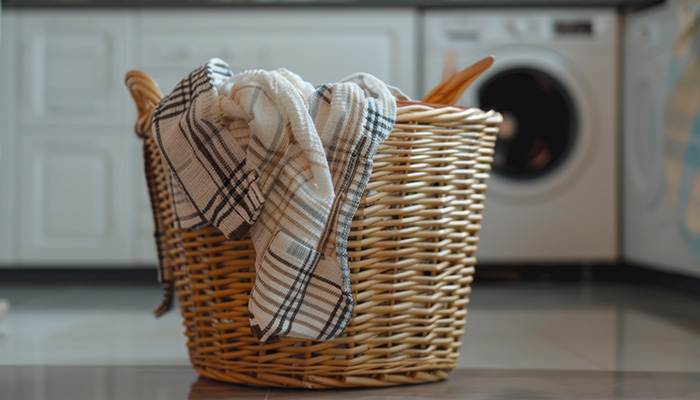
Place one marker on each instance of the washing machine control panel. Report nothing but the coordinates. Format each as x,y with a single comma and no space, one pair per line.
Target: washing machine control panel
576,27
524,27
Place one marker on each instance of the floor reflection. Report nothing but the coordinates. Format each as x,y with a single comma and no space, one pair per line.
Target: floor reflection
173,383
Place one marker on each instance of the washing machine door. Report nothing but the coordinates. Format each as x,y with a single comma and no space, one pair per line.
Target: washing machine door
546,134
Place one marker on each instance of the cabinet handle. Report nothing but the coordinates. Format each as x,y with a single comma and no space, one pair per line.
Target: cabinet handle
170,53
463,35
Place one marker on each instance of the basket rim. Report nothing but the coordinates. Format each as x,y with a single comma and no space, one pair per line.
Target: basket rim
406,103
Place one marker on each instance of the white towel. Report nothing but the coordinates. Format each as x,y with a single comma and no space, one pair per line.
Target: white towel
263,148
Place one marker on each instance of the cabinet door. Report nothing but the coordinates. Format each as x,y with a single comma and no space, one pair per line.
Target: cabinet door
320,45
73,66
8,123
74,203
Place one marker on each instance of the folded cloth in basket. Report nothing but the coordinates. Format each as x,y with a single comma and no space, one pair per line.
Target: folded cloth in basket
265,149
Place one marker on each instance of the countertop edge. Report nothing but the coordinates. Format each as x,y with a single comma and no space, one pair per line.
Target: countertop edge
417,4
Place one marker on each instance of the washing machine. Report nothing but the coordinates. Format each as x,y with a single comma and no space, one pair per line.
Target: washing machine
658,231
552,195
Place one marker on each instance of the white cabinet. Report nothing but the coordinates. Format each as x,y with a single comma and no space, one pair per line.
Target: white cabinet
74,198
72,190
68,137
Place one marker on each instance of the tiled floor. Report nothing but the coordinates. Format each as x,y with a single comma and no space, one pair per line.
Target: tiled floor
551,326
523,341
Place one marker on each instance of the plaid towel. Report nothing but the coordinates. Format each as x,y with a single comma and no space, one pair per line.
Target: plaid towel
209,179
265,149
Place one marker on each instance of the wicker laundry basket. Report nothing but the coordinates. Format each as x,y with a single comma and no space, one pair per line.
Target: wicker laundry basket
411,253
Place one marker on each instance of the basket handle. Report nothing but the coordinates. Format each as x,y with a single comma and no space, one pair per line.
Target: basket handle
451,89
146,94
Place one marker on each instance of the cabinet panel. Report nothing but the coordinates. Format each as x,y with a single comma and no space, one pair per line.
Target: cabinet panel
334,55
73,66
170,56
69,164
74,199
320,45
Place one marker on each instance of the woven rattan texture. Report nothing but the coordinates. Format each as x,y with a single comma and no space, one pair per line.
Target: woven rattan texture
411,253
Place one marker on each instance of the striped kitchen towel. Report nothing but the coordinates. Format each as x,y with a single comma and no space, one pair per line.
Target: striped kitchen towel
265,150
210,182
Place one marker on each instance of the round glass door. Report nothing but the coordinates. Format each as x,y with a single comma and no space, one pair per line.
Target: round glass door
540,123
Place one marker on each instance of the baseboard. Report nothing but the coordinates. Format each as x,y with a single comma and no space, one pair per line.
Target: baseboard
619,273
634,273
569,272
113,274
624,272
